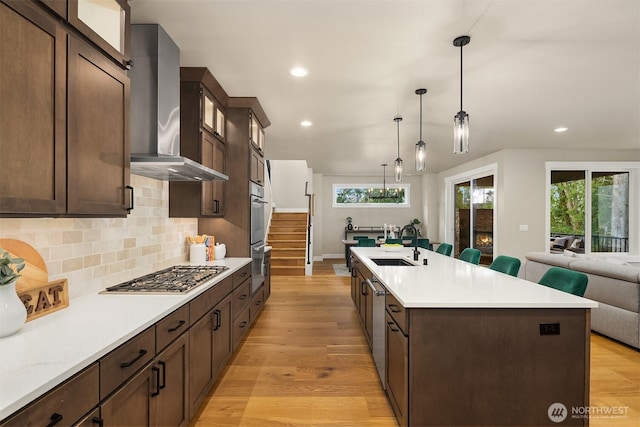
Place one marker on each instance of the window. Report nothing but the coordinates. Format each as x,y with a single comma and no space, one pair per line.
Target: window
590,207
370,195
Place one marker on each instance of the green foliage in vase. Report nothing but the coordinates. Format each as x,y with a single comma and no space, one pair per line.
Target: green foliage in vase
9,268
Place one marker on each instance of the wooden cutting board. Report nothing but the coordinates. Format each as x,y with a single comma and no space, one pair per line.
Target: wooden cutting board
39,296
34,272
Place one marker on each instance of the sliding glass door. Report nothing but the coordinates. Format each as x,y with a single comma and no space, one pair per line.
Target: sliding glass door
473,216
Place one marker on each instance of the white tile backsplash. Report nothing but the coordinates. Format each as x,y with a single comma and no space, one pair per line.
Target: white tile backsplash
93,253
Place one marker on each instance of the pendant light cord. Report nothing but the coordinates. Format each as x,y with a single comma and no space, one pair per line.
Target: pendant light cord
398,127
460,78
420,117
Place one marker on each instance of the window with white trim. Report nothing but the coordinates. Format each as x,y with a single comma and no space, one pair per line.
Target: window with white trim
371,195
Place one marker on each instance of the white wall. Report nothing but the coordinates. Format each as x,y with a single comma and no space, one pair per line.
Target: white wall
288,179
521,192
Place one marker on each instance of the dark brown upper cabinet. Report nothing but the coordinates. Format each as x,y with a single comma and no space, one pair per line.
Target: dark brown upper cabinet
106,23
202,139
64,121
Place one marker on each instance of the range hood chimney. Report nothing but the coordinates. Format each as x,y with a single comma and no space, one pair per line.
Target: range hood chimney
155,110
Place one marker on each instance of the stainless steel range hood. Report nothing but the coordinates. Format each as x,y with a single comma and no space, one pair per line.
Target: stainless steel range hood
155,110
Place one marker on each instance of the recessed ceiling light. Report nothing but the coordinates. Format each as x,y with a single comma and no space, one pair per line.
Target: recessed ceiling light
298,71
305,123
560,129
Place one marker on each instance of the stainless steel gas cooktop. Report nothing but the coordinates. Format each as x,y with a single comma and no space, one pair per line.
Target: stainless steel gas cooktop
177,279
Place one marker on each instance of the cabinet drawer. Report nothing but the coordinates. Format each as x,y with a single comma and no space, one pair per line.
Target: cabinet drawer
241,275
257,304
240,327
205,302
241,298
170,328
397,311
126,360
66,403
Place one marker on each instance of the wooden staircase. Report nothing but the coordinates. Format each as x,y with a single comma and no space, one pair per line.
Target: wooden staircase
288,240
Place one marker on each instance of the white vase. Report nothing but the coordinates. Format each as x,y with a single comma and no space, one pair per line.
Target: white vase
12,311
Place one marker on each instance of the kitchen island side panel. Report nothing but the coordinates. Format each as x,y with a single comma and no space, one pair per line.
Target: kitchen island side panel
497,367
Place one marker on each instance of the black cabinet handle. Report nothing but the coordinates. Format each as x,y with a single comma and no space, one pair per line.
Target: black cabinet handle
97,420
216,206
242,324
180,323
217,322
392,328
258,302
140,354
55,419
363,289
243,296
164,374
131,199
394,308
157,371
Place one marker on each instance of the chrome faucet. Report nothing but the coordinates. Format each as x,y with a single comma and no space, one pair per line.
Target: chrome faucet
416,252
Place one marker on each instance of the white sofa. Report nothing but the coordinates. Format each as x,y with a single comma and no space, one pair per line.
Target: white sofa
615,286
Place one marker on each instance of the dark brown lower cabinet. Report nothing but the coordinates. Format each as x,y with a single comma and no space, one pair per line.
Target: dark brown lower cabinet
397,370
172,384
64,405
131,404
210,349
93,419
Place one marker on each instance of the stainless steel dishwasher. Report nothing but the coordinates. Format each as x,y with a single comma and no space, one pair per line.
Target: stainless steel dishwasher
379,327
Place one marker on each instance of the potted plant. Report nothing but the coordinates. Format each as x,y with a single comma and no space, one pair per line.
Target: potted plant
349,225
12,311
415,222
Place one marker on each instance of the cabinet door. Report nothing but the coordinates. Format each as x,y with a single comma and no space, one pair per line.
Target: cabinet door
201,375
171,394
397,369
267,275
98,134
131,405
257,167
213,156
222,344
106,23
32,111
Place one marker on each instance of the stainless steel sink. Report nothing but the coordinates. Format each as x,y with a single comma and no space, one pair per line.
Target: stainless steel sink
392,261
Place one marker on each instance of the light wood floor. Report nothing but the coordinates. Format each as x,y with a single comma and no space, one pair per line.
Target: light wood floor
306,363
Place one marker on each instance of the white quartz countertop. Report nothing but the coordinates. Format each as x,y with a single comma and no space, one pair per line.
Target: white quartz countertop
447,282
48,350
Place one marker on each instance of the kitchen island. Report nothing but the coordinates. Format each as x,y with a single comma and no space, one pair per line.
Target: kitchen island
63,360
469,346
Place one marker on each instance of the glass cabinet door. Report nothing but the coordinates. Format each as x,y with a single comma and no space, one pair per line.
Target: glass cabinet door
220,123
208,112
104,22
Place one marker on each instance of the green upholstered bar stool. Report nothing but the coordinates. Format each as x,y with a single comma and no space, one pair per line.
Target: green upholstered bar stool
565,280
445,249
506,264
367,243
470,255
394,241
423,243
359,237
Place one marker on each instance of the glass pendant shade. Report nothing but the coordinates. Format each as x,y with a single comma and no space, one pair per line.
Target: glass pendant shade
461,133
421,156
398,170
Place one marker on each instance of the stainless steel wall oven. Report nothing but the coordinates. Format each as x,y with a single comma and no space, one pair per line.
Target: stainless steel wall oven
256,195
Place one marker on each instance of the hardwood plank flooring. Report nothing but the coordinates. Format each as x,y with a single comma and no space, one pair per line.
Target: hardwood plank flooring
306,363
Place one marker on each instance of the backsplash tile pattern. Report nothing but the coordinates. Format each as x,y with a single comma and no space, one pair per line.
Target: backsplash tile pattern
93,253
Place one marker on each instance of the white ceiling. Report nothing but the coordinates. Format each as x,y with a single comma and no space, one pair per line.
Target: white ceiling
531,66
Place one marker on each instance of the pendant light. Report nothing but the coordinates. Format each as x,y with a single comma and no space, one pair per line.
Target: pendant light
399,168
421,147
461,119
383,194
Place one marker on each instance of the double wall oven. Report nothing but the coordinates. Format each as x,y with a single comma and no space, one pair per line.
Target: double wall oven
256,195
